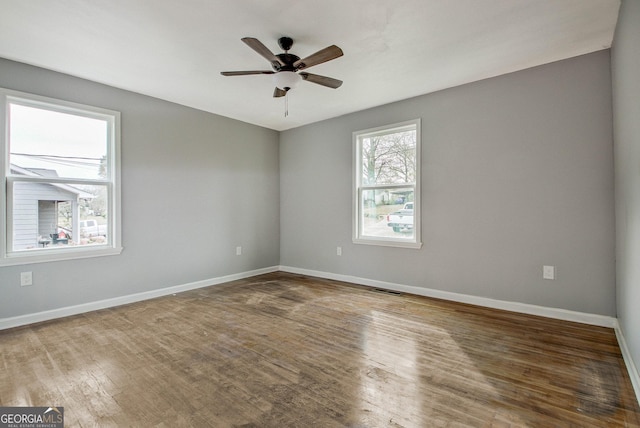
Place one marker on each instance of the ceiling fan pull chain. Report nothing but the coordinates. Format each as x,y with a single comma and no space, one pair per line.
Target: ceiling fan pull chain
286,104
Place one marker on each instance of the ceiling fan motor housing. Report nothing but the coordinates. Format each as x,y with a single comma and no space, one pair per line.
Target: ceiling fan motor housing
288,60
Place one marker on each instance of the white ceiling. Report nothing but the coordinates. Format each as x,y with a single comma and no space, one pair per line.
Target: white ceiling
393,49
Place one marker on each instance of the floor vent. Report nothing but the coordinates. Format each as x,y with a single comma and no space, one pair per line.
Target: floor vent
382,290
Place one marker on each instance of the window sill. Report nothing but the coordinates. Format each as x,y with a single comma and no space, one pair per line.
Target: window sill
27,258
388,243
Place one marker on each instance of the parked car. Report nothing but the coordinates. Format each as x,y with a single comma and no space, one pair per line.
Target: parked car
401,219
89,228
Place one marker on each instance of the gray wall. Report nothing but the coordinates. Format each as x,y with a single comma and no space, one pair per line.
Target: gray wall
626,108
517,173
194,186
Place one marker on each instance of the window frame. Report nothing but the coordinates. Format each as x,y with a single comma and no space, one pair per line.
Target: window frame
113,246
358,188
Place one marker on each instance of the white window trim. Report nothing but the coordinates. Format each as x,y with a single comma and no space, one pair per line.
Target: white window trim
357,189
114,244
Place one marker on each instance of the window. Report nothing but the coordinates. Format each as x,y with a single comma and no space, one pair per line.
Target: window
60,190
387,185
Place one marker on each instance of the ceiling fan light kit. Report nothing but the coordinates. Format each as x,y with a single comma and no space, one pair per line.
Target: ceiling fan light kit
286,66
286,80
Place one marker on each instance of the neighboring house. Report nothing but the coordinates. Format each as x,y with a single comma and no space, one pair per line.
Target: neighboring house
36,208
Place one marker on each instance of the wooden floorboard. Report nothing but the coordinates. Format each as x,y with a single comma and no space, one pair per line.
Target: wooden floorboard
285,350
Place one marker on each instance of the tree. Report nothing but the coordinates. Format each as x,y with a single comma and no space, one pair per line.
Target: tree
389,158
102,168
99,203
65,214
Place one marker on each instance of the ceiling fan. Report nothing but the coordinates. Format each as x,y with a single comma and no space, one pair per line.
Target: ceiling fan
286,67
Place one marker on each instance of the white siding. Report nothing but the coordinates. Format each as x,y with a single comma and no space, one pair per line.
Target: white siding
26,223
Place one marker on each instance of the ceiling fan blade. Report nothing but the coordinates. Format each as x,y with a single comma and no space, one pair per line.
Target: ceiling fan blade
244,73
329,82
323,55
264,51
279,93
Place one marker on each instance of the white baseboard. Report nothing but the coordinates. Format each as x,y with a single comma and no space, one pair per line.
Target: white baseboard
21,320
561,314
626,355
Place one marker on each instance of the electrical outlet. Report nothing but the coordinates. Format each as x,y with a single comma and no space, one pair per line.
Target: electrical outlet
548,272
238,251
339,251
26,278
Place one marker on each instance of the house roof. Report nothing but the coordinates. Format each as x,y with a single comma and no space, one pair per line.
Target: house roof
41,172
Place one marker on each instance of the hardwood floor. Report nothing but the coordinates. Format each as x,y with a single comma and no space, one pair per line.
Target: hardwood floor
283,350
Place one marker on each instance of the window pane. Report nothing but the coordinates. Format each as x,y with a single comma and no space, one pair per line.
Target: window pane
54,144
387,213
49,216
389,158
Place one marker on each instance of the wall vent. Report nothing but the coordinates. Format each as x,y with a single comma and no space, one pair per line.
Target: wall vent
385,291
